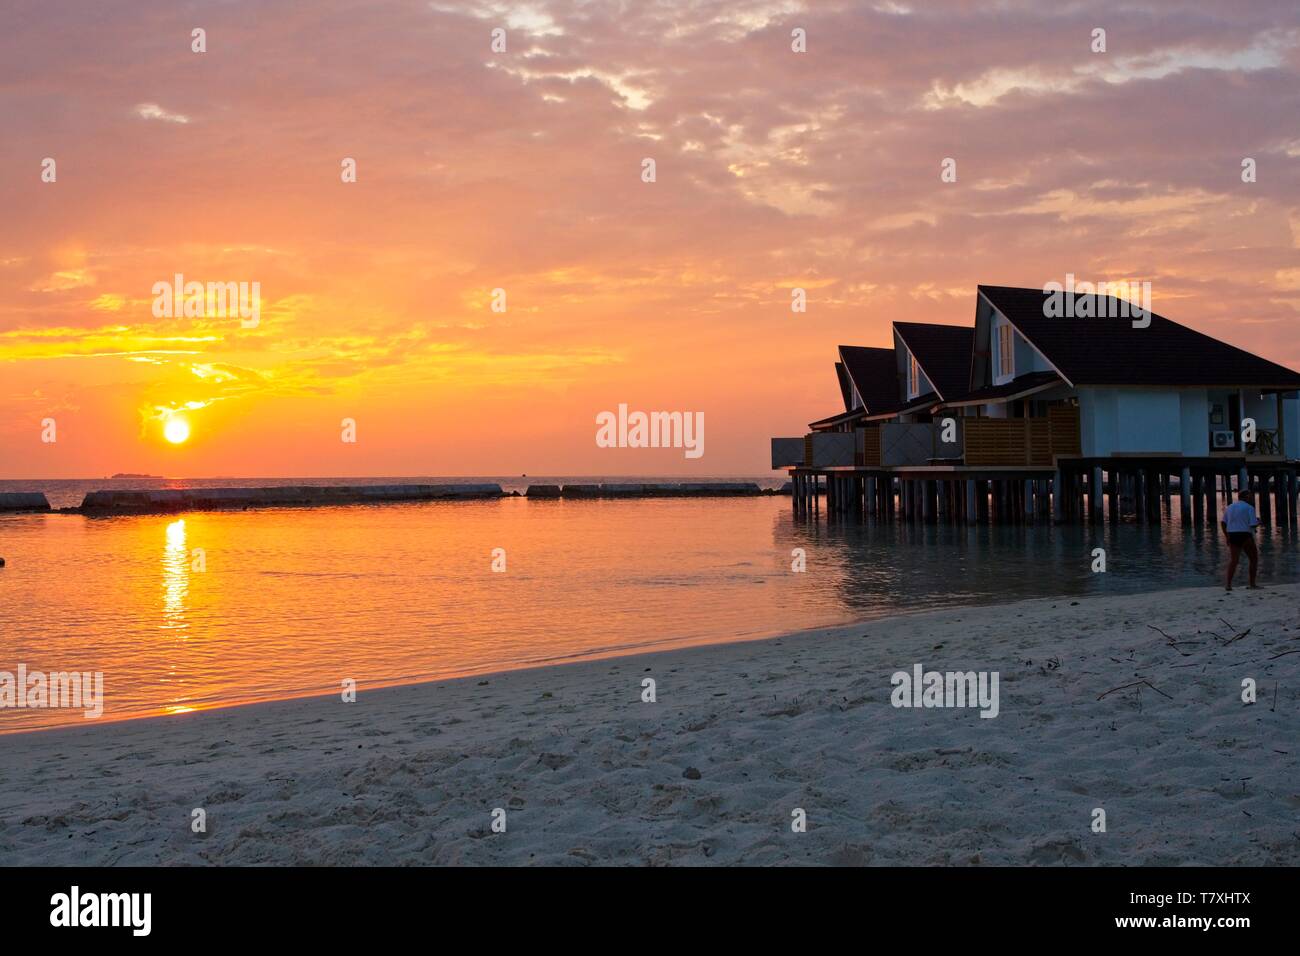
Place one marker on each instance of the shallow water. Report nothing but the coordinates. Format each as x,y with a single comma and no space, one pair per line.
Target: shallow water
294,601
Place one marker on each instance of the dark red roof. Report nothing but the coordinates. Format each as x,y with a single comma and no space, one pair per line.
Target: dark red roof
874,372
943,352
1110,351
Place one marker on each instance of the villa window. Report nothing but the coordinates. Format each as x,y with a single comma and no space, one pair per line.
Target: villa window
913,376
1006,350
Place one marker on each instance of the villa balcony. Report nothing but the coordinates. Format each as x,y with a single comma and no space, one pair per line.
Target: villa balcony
976,442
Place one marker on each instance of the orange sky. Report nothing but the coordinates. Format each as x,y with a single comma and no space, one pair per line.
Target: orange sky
522,171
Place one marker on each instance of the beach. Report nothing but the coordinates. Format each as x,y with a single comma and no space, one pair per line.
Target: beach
740,738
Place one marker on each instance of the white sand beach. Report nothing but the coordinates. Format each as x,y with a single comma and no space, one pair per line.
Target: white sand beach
741,735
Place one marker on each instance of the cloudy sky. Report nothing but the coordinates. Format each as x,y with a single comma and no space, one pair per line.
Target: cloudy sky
522,170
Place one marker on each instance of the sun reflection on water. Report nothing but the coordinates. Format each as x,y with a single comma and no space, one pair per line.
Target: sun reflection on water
176,578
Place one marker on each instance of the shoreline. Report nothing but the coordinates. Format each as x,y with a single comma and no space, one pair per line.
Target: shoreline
741,734
666,646
672,646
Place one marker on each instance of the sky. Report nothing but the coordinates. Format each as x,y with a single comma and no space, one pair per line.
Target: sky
522,170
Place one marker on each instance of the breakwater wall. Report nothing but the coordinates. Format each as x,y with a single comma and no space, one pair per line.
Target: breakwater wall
23,501
164,501
209,499
689,489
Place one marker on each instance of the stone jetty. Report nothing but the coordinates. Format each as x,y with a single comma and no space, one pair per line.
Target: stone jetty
23,501
689,489
209,499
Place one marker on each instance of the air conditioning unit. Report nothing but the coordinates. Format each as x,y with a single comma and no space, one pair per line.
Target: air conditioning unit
1223,438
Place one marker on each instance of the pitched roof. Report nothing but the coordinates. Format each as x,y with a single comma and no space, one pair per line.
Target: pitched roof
918,404
840,418
875,374
943,352
1110,351
1016,388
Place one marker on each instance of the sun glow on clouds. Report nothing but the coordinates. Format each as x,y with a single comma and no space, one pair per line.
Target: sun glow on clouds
152,111
775,170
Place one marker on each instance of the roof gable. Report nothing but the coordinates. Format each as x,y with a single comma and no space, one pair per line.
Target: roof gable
943,352
873,374
846,385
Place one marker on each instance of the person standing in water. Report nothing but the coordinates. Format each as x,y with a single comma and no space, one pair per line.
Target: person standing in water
1239,522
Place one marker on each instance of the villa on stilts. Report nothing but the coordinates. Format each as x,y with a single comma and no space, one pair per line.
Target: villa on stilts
1030,415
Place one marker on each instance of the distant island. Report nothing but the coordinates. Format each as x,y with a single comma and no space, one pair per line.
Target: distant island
127,474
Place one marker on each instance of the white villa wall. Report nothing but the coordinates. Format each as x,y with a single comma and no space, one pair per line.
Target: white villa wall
1026,358
1131,421
1195,422
1096,422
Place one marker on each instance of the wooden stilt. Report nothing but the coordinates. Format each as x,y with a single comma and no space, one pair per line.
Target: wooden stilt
1095,494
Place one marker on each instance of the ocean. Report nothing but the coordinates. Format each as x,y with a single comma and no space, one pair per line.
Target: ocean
205,609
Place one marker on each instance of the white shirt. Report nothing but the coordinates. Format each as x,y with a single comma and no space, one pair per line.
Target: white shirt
1240,516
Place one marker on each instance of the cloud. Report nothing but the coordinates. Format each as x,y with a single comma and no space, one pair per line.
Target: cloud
152,111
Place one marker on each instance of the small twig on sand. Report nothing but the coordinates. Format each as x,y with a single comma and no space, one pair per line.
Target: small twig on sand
1285,653
1136,683
1233,630
1172,642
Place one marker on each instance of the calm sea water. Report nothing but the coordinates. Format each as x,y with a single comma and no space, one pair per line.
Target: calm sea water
293,601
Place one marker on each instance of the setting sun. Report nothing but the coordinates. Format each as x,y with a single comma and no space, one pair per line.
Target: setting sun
176,430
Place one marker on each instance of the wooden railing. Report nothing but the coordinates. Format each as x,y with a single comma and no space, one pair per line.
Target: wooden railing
870,454
1064,422
1022,441
997,441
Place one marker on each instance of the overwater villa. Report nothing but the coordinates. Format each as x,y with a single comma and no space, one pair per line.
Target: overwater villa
1030,415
